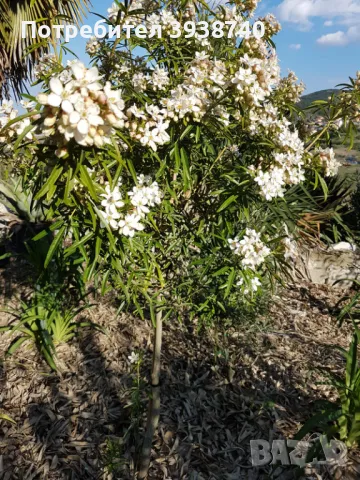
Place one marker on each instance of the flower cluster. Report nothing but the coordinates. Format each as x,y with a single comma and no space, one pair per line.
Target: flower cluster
45,65
144,195
92,46
149,127
113,12
158,80
255,77
287,166
288,90
328,161
271,25
357,81
81,108
251,248
271,182
203,77
251,287
165,18
8,113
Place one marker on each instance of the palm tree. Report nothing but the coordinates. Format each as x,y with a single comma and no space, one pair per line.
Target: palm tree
19,55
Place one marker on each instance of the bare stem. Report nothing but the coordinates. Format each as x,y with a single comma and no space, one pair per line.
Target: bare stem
154,402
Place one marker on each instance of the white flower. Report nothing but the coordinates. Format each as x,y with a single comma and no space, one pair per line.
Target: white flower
20,127
134,357
28,104
251,248
160,78
134,110
113,12
143,179
161,133
252,288
114,101
291,248
243,77
112,199
150,138
139,82
329,162
61,96
85,116
110,217
130,224
86,78
234,243
6,106
92,46
140,201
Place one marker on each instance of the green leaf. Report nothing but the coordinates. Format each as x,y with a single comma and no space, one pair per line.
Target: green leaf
87,182
227,202
186,168
70,250
54,245
318,420
15,345
55,174
230,282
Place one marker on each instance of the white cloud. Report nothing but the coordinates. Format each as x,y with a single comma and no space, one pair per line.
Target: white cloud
328,23
301,12
340,38
295,46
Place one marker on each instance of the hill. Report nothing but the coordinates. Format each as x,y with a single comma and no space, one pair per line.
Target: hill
306,100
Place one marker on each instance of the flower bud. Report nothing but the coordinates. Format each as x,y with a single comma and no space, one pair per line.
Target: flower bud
42,98
61,152
49,121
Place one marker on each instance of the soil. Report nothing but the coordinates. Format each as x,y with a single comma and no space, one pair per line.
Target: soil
218,391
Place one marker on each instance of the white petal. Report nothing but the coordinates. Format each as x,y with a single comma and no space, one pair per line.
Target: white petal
80,106
81,139
74,117
78,70
70,86
56,86
54,100
67,106
92,74
94,87
74,98
83,127
95,120
42,98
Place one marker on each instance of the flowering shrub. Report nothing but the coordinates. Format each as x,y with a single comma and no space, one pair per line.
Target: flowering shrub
211,128
185,150
175,175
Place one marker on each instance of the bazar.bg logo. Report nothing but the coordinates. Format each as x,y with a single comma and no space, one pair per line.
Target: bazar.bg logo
300,453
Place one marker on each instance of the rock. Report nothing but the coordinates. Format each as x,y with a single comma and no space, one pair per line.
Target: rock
336,267
343,247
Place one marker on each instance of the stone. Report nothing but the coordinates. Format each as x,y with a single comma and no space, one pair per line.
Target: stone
337,267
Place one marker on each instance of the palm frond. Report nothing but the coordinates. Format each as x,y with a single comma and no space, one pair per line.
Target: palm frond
19,55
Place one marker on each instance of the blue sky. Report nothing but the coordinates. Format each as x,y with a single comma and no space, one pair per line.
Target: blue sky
319,40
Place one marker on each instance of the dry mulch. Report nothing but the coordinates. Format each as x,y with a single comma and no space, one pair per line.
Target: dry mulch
218,393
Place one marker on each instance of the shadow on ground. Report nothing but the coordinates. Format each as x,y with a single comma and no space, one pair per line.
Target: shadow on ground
217,395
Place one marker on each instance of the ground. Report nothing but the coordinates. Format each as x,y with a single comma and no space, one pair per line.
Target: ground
219,391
